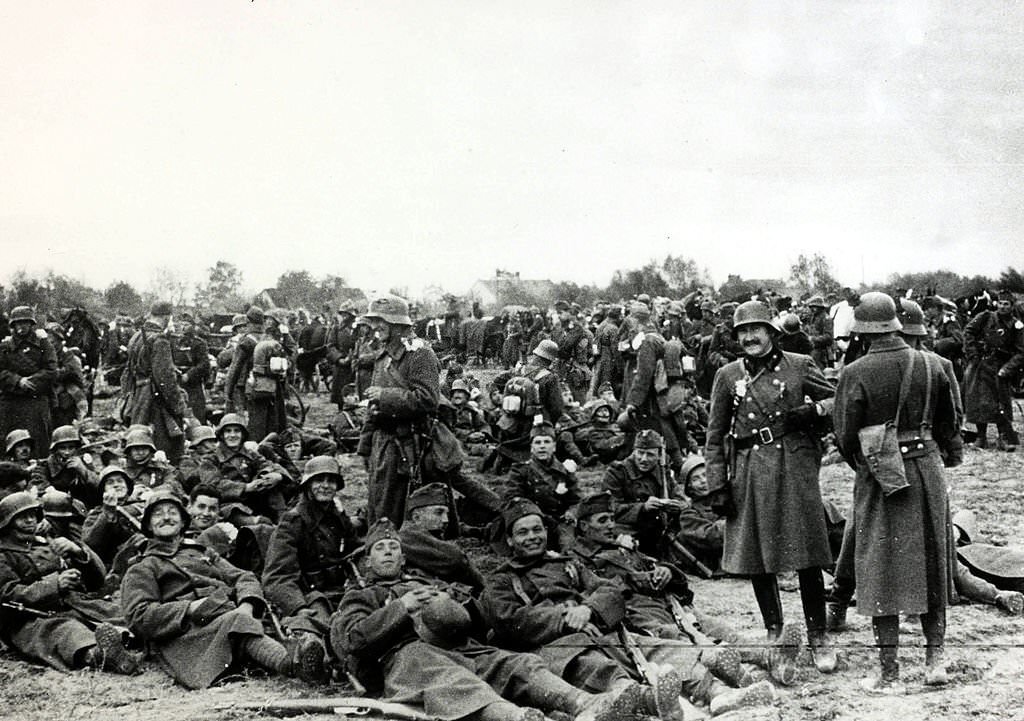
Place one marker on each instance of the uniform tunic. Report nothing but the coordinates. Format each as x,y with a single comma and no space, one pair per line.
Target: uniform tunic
156,593
779,524
904,553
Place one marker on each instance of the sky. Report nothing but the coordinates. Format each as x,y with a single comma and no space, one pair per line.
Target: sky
406,144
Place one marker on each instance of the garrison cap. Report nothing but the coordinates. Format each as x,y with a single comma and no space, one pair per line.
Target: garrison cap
517,508
594,503
382,530
542,429
432,494
648,438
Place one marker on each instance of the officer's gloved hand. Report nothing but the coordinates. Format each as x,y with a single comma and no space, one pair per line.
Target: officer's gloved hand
800,418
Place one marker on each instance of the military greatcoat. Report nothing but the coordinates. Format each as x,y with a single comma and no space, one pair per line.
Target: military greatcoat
34,358
904,552
771,471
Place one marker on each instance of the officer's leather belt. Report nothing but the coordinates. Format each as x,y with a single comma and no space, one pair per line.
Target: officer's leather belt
764,436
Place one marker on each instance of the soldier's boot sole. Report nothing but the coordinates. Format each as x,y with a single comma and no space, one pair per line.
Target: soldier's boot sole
111,651
760,694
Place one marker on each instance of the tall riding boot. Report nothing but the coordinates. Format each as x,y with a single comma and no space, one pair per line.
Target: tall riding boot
933,624
766,591
812,596
887,638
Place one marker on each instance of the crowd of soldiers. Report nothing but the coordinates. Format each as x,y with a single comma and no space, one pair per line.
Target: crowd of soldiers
209,535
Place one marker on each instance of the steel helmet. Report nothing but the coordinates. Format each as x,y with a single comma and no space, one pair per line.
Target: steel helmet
675,309
689,466
58,504
460,385
390,309
547,349
790,323
254,314
18,435
876,313
55,329
163,495
18,503
22,312
753,312
113,471
232,419
912,318
65,434
322,466
200,434
815,301
139,437
238,320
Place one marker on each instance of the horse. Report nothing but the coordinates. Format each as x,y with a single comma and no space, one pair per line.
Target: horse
82,334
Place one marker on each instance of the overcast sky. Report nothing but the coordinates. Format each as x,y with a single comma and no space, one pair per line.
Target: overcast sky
418,142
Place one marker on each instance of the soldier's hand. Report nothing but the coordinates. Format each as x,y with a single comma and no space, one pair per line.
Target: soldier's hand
64,547
413,600
576,617
653,503
27,385
373,394
111,499
660,577
69,580
246,608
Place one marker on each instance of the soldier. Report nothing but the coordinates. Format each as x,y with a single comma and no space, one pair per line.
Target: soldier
426,525
270,363
903,560
994,350
552,605
117,520
151,382
115,347
608,368
793,338
410,630
468,420
18,448
763,446
947,335
306,572
819,330
192,360
14,478
198,636
701,527
340,342
642,492
602,437
70,403
545,481
28,367
65,469
403,398
48,598
241,361
145,469
660,602
575,343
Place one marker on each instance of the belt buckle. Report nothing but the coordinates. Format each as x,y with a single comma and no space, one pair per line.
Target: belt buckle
765,434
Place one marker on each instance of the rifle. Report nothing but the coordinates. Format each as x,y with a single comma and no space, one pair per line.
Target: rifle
682,550
643,666
22,608
356,706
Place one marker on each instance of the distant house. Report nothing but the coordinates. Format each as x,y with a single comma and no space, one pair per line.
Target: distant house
270,298
510,289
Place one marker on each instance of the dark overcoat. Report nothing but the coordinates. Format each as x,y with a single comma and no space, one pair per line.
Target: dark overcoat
904,542
156,593
991,343
779,524
34,358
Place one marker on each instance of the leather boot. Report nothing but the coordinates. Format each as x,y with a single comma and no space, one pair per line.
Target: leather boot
620,704
725,699
835,615
661,698
822,651
268,654
935,673
307,660
110,654
1011,601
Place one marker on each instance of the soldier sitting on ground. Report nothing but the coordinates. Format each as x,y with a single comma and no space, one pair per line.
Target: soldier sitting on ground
65,469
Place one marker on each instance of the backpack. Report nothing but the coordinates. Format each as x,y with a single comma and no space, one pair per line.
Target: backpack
521,396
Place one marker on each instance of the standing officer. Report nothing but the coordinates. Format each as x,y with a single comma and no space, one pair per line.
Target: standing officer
28,367
903,559
763,446
192,359
403,394
155,399
994,348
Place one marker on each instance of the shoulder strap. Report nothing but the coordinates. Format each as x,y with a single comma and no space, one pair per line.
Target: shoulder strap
926,417
517,587
904,387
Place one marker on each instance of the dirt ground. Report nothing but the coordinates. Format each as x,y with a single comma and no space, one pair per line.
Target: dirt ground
985,647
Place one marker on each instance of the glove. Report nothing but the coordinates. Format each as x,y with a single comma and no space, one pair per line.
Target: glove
722,503
800,418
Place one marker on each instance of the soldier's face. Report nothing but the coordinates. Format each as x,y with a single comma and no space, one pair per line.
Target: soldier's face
232,436
22,451
528,538
459,398
165,521
755,339
433,519
25,523
385,558
542,448
698,483
22,328
64,451
206,447
599,527
116,487
323,487
293,449
646,458
186,326
603,415
1003,307
205,511
380,329
140,454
